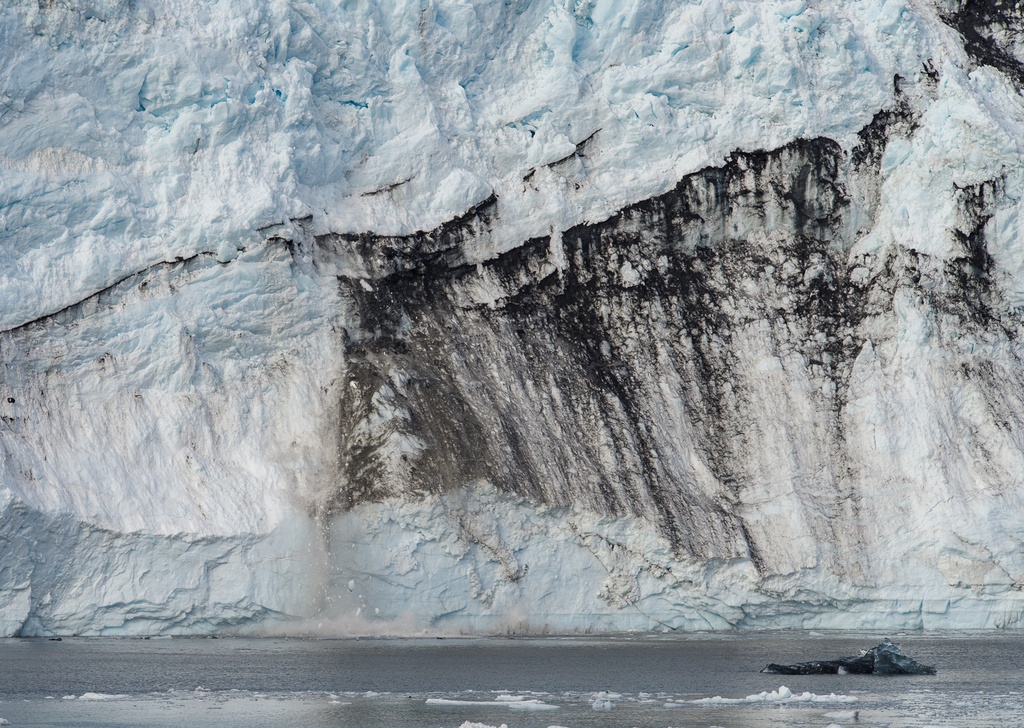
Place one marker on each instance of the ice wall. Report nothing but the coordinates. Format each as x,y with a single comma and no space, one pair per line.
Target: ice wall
388,313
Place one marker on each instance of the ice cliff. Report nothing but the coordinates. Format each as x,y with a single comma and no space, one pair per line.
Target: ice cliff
373,316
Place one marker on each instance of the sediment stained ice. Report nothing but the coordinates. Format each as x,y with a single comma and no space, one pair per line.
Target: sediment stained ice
381,318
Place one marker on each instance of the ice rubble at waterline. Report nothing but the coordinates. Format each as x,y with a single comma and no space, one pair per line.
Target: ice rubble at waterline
785,389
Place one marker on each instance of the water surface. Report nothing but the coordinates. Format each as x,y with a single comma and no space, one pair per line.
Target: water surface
520,682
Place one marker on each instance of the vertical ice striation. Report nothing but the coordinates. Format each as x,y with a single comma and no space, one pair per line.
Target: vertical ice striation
388,316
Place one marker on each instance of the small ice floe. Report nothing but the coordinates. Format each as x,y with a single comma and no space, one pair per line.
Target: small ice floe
100,696
532,705
782,695
4,721
513,702
603,701
470,724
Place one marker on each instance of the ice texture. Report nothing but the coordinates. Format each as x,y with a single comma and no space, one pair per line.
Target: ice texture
783,695
383,318
885,659
524,704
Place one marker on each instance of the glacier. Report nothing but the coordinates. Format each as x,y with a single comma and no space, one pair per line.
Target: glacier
382,317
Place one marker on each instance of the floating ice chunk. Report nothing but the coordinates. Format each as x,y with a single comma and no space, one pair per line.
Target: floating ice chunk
4,721
782,695
603,701
101,696
532,705
469,724
512,702
885,659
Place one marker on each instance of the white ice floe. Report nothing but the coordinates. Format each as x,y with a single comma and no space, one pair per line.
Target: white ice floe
782,695
525,704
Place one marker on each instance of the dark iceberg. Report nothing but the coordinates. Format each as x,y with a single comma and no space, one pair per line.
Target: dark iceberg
886,659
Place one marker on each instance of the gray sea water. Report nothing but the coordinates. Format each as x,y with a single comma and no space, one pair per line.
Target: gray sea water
518,682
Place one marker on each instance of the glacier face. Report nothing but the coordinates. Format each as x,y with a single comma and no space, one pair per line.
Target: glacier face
550,316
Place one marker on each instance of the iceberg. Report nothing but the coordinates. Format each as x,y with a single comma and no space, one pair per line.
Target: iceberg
885,659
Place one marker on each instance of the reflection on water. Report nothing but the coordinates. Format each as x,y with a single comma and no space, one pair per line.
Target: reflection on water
523,683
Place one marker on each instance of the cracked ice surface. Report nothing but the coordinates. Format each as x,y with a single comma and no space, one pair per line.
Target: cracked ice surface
138,132
481,561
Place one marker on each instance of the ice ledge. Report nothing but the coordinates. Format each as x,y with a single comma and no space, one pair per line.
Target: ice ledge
470,562
478,561
61,575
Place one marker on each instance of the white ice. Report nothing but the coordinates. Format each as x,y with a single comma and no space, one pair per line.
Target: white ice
167,449
782,695
512,703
